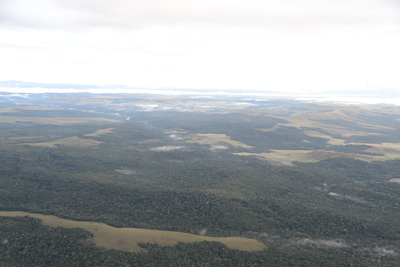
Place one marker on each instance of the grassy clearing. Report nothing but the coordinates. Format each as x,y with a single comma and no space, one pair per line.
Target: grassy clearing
54,121
100,100
301,123
384,148
345,133
287,157
29,138
16,109
315,118
331,140
128,238
214,139
68,141
388,151
395,180
100,132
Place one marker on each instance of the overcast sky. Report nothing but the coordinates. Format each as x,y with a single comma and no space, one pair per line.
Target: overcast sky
271,45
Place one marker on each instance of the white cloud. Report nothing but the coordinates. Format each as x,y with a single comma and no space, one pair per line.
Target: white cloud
322,243
385,252
126,171
218,147
136,14
278,45
166,148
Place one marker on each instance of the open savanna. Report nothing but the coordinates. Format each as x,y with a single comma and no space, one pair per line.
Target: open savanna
54,121
73,141
32,138
98,100
214,139
331,140
324,127
303,122
16,109
287,157
128,239
100,132
325,119
385,151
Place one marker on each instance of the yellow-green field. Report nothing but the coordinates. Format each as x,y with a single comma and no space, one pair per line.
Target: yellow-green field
16,109
331,140
73,141
167,102
128,238
320,117
214,139
99,100
287,157
54,121
30,138
322,122
302,122
100,132
388,150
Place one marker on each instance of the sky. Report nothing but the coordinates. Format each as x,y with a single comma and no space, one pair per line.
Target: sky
264,45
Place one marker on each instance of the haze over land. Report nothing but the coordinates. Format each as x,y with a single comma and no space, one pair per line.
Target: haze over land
371,96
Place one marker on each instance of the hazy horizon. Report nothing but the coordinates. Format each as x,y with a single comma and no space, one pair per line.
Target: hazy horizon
285,46
370,96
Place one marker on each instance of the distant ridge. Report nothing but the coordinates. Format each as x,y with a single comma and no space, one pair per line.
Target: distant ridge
372,95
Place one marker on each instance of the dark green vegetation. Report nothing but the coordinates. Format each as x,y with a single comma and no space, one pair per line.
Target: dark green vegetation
25,242
336,212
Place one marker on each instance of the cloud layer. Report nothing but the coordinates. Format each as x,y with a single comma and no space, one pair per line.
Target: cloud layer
290,14
292,45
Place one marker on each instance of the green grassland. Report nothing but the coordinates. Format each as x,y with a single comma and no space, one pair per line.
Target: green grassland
18,109
100,132
384,151
214,139
67,141
73,141
53,121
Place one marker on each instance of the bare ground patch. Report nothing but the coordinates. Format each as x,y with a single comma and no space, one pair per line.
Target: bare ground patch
287,157
68,141
100,132
128,238
214,139
54,121
17,109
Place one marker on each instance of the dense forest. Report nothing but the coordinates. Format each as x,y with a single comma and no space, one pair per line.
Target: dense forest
229,170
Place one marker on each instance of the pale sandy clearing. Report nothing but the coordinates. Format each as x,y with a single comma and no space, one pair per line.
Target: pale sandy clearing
128,238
